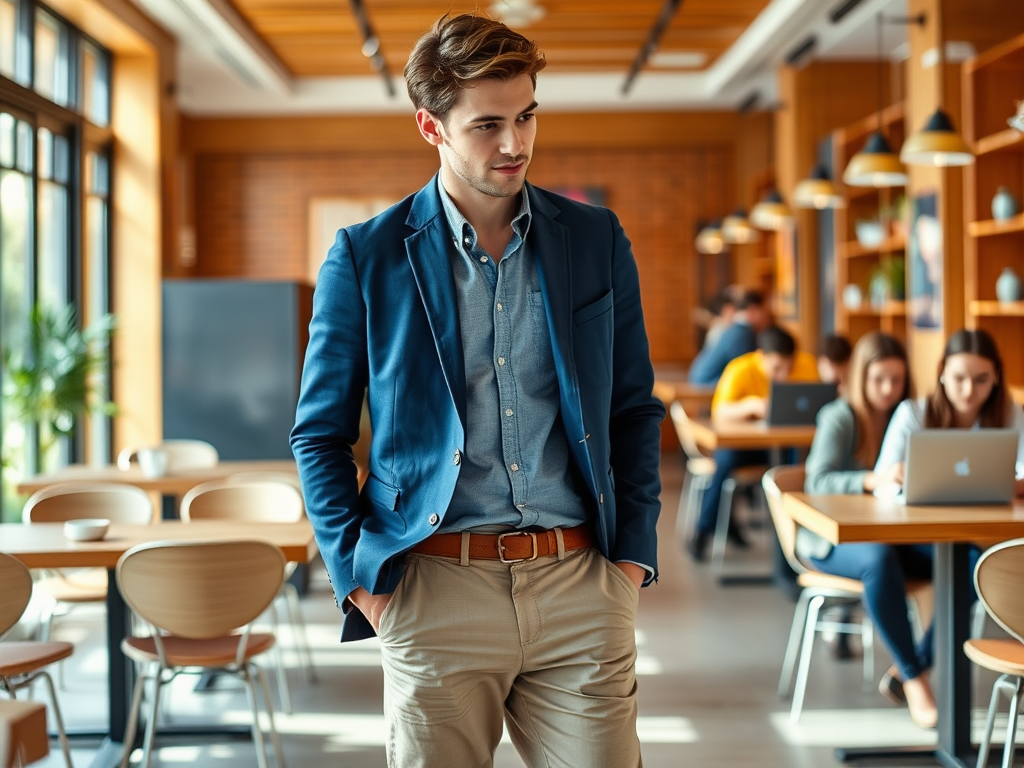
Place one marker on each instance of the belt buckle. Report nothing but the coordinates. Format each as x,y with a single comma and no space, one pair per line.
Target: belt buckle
501,546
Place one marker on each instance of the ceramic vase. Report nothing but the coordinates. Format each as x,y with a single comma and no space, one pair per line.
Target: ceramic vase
852,296
1008,286
1004,205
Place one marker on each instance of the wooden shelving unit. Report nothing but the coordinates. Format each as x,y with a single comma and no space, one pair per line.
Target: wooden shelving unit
991,81
855,263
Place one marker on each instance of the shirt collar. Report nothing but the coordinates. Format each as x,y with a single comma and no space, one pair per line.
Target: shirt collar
462,231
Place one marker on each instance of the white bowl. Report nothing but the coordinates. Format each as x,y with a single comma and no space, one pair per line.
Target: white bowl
86,529
869,233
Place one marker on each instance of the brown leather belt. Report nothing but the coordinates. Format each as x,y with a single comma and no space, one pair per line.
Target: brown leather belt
512,547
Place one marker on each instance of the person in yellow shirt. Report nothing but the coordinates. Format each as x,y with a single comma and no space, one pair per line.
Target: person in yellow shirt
742,394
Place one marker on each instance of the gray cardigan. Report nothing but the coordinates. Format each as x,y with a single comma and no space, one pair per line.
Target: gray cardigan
832,467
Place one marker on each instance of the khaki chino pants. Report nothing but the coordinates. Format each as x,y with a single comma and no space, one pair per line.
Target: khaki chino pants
545,645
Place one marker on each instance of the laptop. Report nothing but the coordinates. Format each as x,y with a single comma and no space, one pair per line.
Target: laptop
957,466
797,404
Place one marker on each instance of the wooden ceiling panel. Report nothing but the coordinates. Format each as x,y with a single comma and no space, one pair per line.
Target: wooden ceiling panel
321,37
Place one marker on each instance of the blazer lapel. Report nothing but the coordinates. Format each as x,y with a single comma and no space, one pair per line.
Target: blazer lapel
427,249
550,245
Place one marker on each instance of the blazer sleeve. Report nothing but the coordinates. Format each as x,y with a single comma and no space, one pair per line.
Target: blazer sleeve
334,379
830,462
906,419
635,418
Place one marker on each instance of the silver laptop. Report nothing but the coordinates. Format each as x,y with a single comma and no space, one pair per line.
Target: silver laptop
793,403
957,466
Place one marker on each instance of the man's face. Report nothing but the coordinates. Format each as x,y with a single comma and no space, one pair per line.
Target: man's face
487,138
777,367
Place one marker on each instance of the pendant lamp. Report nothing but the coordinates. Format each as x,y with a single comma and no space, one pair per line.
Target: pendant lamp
939,144
771,213
709,239
817,191
875,166
737,229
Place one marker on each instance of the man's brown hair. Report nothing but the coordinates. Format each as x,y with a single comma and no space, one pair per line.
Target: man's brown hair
460,49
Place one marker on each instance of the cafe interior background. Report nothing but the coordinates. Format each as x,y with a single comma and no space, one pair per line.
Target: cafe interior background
173,171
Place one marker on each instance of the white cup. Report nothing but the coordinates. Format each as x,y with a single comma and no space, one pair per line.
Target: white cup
152,461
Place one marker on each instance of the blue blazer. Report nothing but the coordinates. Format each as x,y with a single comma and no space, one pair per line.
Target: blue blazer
385,321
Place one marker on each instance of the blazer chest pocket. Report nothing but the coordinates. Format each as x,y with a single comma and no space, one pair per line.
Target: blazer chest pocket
593,329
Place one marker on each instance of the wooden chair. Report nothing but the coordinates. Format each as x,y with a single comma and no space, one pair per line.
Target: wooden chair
199,600
21,663
122,504
23,737
998,577
259,499
699,471
181,454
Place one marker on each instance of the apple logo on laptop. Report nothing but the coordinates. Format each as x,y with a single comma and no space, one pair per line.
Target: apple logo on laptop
962,467
803,403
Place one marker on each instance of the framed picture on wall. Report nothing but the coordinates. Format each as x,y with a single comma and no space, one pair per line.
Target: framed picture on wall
787,288
329,214
926,256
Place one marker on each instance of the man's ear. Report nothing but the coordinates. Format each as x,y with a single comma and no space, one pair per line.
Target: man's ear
430,127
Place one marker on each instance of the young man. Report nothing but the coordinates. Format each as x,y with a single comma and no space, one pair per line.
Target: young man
739,338
508,519
742,394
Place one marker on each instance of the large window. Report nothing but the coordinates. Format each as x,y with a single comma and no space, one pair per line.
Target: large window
54,216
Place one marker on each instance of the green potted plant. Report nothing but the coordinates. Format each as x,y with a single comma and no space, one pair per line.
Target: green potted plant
55,378
894,268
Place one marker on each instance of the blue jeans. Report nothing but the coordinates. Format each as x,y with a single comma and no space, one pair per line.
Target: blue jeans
884,570
726,460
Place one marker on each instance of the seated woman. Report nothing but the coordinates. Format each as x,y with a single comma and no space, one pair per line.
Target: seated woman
846,444
971,393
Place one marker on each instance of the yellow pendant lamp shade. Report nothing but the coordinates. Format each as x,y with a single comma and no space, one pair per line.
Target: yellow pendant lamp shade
875,166
737,229
709,239
817,191
771,213
939,144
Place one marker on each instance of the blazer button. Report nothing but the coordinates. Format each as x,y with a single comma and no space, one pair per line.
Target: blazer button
458,457
434,519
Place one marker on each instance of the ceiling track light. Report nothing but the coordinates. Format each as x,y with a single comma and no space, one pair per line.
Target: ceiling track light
371,47
668,11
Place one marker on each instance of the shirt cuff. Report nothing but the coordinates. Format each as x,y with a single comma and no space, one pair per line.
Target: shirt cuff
649,578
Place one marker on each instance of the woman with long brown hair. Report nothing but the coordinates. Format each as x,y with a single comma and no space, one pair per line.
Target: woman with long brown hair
846,444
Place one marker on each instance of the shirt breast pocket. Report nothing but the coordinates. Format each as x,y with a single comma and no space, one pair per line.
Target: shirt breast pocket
593,335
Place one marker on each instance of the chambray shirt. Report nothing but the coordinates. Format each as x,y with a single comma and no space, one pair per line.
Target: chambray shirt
516,466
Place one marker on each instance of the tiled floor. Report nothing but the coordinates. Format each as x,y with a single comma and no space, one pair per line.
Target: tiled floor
709,660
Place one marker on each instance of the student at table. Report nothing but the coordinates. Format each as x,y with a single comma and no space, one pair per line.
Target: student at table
742,395
970,393
834,353
739,338
846,444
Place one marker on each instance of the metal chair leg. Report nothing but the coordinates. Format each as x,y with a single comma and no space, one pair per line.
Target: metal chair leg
150,737
1011,725
867,638
793,646
682,516
133,718
810,628
299,632
257,731
722,526
282,680
275,740
62,735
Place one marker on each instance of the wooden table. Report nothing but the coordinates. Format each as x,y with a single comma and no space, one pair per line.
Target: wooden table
749,435
842,519
42,545
172,484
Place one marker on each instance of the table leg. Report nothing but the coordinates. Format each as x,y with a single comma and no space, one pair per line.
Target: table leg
952,673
